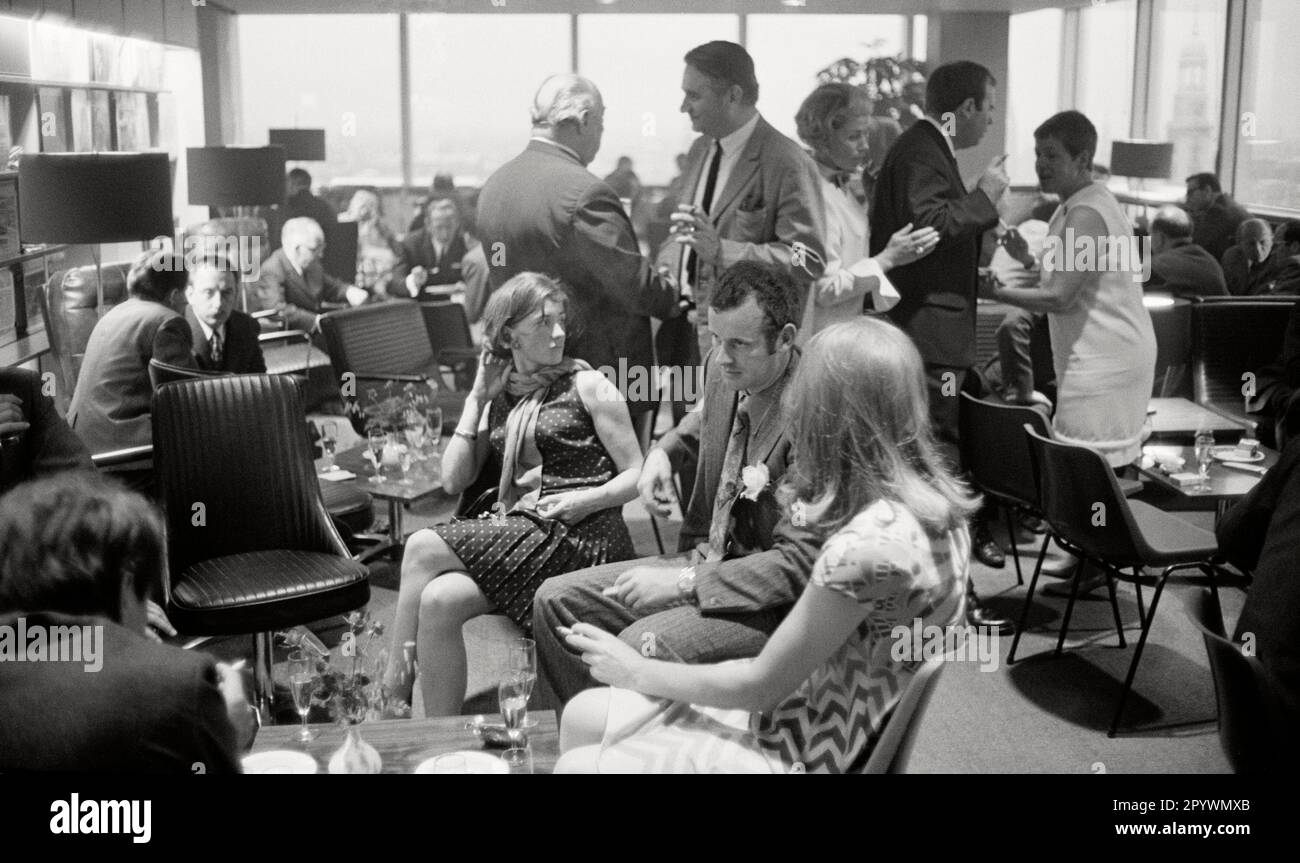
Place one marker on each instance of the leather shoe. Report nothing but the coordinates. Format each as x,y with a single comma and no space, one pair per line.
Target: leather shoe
986,550
978,615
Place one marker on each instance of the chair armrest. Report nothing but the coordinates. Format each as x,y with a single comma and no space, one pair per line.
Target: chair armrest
117,457
392,376
270,320
283,336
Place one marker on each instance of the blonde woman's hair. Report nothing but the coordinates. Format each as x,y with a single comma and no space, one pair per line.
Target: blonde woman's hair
861,431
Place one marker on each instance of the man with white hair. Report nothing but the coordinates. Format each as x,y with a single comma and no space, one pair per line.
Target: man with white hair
544,211
294,283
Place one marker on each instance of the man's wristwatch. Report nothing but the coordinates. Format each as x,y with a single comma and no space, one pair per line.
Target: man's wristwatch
686,584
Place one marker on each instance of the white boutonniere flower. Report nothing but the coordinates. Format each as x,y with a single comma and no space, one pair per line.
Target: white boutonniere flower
754,478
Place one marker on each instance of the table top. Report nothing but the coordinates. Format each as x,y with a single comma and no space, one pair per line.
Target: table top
404,743
1176,416
1225,483
426,477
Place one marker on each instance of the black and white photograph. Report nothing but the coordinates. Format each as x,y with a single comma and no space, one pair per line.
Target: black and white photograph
652,386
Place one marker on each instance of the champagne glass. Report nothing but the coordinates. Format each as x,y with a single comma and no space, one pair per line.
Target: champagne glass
415,438
329,438
1204,448
433,432
405,458
302,682
512,696
377,439
519,759
523,661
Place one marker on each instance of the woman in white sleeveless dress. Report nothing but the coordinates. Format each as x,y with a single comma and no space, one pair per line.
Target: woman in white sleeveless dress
1090,286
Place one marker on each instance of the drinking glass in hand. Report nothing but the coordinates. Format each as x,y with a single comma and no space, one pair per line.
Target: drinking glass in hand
512,695
377,440
1204,449
329,438
302,682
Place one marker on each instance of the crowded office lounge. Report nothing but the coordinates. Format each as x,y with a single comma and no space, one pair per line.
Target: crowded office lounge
649,386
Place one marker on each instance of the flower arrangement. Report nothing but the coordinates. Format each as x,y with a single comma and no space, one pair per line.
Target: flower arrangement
352,690
392,410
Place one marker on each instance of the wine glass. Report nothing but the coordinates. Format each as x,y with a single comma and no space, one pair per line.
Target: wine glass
523,661
415,438
302,682
377,439
433,430
512,696
518,759
1204,449
329,438
405,458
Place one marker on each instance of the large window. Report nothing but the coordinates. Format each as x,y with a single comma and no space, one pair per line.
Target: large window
473,78
1187,81
636,61
1033,86
1104,81
789,51
336,72
1268,142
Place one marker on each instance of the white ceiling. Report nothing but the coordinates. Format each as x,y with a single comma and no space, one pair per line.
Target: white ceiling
280,7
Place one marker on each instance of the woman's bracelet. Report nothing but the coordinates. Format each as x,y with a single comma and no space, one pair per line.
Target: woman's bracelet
469,436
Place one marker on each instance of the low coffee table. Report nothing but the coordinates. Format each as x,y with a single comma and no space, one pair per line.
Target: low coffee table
426,481
1227,485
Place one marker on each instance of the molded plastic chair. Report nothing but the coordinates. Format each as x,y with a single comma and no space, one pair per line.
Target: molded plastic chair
451,339
251,548
1082,501
894,748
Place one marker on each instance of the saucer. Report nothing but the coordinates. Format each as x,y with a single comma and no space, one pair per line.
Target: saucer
475,762
1232,453
279,761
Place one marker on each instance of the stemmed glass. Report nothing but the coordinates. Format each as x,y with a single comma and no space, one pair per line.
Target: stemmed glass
329,438
518,759
512,695
302,682
415,437
378,439
523,663
433,430
1204,449
405,458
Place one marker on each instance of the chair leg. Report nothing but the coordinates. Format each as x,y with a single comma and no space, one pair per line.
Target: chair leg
1114,608
659,540
1069,606
262,682
1011,538
1137,587
1137,654
1029,598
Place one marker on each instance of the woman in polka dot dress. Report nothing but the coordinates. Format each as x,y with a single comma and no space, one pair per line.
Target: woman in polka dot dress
570,460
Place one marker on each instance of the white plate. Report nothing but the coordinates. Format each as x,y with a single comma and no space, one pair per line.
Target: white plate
1231,453
475,762
279,761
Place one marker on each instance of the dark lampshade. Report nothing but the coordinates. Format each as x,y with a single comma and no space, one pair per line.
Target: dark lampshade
94,197
300,145
1143,160
236,176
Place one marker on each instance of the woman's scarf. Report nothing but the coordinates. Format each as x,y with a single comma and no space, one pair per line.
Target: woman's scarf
530,389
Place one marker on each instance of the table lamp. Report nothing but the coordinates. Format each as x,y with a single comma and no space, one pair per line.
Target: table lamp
93,198
300,145
1142,160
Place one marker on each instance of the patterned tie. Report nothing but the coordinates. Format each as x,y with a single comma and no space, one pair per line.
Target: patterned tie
214,348
689,260
729,482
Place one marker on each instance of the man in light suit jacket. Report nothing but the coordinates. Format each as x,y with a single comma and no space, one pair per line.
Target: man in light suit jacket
765,202
740,565
111,405
543,211
294,283
225,340
919,184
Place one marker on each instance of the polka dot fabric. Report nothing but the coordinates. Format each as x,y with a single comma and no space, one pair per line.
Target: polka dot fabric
510,558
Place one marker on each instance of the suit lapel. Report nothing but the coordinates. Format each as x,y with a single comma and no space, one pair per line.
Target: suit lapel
771,428
751,159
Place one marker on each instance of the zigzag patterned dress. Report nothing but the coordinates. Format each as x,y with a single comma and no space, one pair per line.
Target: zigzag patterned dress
883,559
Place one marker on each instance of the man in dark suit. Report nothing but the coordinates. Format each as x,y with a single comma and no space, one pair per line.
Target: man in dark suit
544,211
294,283
79,556
1179,266
1285,278
34,439
440,258
919,184
1215,216
749,193
740,566
1248,265
111,405
225,340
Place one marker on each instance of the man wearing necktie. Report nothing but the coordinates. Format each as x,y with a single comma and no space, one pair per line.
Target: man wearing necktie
224,340
749,194
441,258
740,565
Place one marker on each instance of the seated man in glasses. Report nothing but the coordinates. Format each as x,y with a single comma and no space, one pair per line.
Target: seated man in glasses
78,557
294,283
225,339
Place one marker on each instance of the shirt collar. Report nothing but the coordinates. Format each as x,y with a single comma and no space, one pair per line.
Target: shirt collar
947,140
572,152
736,141
207,330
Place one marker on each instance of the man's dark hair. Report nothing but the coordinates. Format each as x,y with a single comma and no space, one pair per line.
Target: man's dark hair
1205,180
155,275
67,543
773,290
954,83
300,177
728,63
201,259
1074,130
1290,232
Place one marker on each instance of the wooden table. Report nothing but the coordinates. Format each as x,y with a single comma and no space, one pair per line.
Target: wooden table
426,481
1175,418
1227,485
404,743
